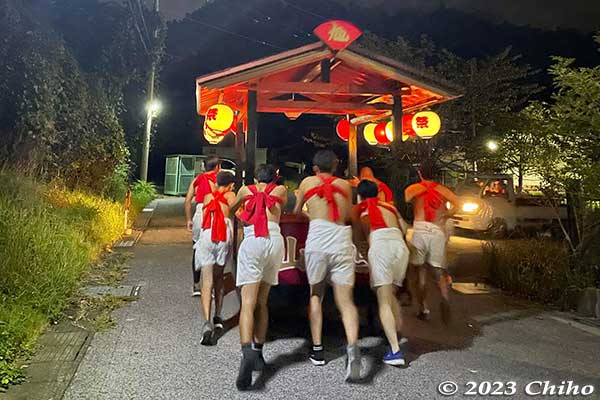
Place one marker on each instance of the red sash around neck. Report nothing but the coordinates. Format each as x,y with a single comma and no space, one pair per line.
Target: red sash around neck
202,185
371,205
327,190
432,200
255,211
214,218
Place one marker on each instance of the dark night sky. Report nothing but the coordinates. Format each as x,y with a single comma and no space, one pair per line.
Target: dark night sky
583,15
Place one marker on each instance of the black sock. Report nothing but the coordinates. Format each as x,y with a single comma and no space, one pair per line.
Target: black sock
317,347
247,350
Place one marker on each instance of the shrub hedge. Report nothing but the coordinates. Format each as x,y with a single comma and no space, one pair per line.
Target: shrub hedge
48,238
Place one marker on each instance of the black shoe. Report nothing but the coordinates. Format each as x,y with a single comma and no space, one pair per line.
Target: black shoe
196,291
218,323
244,379
424,315
207,334
317,356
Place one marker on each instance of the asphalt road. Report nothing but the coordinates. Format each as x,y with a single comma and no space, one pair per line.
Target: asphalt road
155,351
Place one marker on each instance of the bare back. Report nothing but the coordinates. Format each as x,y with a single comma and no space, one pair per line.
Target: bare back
414,193
318,207
273,213
229,196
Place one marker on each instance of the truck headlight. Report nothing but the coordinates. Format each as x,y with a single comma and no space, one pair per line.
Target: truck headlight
470,207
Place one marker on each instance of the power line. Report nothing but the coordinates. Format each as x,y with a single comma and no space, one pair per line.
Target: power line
137,26
270,19
218,28
318,16
139,2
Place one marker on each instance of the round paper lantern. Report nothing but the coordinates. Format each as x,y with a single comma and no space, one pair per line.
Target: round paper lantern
211,137
343,129
369,134
389,131
219,119
407,130
426,124
380,135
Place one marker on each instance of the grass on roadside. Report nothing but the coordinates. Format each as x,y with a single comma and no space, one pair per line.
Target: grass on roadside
48,239
540,270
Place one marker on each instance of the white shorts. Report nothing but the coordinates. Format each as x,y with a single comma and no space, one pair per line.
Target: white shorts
388,257
260,258
428,245
328,253
213,253
197,223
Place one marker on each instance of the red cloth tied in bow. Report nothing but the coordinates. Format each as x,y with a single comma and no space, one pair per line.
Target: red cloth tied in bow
214,218
255,211
326,191
432,200
371,205
202,185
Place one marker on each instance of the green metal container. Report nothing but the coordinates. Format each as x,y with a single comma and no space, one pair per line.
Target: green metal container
180,171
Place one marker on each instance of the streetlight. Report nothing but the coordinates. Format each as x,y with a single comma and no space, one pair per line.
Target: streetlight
492,145
155,106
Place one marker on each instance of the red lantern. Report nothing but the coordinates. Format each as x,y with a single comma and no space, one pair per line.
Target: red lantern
407,130
343,129
380,134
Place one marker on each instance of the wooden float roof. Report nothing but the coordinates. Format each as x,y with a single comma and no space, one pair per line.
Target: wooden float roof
360,83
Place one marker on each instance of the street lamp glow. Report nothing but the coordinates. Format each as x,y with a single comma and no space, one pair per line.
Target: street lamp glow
492,145
154,107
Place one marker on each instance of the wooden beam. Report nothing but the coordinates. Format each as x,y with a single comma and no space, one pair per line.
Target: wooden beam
346,89
314,107
250,163
353,154
397,117
326,70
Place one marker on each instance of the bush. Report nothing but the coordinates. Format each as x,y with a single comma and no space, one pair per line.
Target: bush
142,193
540,270
48,237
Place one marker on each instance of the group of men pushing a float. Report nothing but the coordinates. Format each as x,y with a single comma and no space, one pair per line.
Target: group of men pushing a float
328,253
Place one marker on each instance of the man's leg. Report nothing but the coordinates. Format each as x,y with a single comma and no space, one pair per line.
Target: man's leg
196,273
315,316
219,293
421,291
442,283
345,303
261,314
249,356
396,309
385,299
207,288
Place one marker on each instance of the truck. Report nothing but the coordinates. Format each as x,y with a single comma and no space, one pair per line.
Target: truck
490,205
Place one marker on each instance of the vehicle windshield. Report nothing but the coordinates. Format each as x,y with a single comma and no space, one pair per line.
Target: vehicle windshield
470,186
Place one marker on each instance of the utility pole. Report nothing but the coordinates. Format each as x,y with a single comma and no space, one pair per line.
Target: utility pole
150,110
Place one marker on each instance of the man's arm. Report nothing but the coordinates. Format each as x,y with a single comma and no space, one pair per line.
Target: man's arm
283,195
300,197
448,195
188,206
413,191
239,199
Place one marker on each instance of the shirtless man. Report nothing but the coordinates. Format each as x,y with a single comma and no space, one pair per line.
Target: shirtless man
200,187
212,251
259,259
388,260
384,193
328,254
429,239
